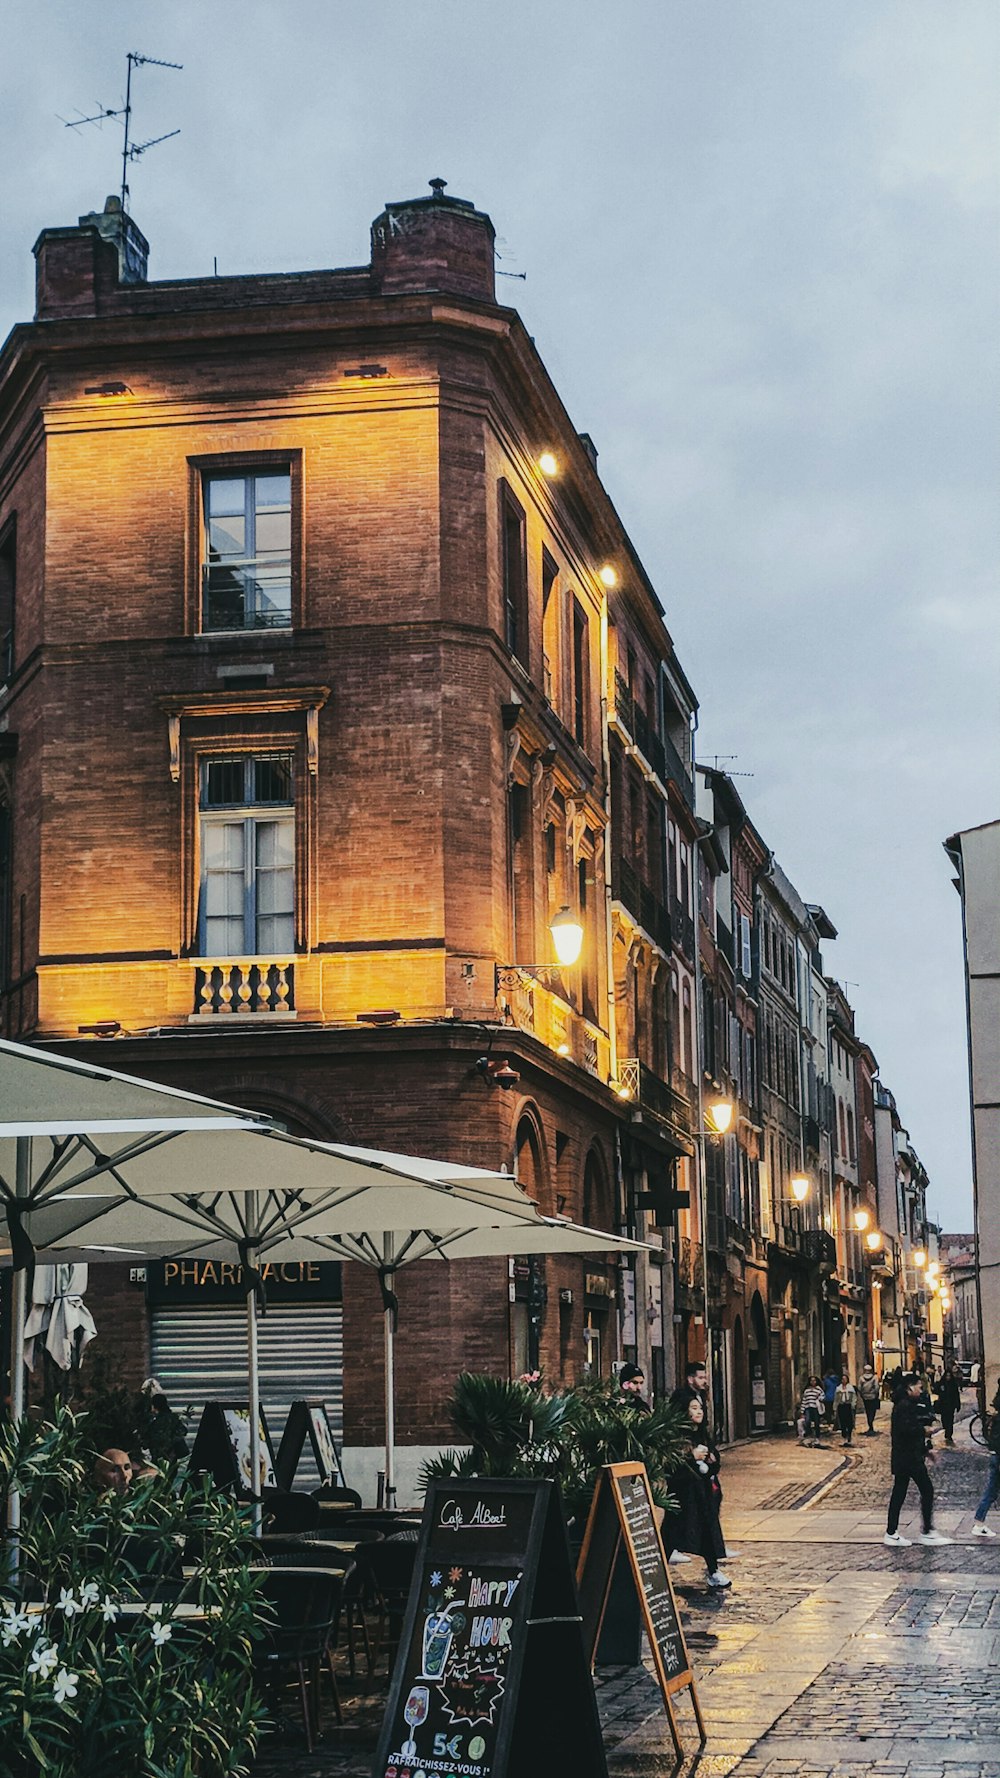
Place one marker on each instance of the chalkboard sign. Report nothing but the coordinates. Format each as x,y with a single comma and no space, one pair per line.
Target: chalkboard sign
308,1419
222,1447
492,1636
622,1507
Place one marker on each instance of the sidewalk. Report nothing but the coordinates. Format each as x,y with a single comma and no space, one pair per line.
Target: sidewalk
830,1656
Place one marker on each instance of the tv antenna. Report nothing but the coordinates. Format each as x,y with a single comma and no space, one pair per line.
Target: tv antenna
131,151
720,762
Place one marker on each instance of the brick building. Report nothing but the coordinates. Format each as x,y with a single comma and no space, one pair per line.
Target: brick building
310,596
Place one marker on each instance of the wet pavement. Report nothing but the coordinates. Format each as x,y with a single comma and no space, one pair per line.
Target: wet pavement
831,1656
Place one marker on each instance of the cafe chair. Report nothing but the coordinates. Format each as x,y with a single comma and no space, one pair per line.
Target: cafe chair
284,1512
332,1494
299,1638
387,1568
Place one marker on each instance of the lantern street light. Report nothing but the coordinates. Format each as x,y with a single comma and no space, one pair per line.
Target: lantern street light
719,1116
567,942
861,1220
920,1259
873,1240
800,1186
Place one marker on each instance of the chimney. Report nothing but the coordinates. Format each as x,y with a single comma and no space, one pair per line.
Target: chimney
78,270
434,244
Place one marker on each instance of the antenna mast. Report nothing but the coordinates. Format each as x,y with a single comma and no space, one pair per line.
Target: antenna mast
130,150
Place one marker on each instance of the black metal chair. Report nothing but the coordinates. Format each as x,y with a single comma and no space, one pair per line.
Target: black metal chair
290,1512
300,1636
387,1572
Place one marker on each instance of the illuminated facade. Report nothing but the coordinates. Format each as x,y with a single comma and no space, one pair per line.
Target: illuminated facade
307,660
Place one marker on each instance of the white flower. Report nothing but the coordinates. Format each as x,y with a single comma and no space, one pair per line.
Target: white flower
109,1610
67,1603
66,1685
44,1660
90,1592
14,1625
161,1633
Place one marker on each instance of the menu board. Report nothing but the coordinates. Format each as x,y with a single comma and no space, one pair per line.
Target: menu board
222,1446
308,1419
492,1626
622,1507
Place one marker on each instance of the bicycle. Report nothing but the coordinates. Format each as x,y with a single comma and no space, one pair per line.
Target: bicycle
978,1432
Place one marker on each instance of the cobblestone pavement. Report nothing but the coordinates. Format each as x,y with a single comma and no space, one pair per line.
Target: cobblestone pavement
830,1656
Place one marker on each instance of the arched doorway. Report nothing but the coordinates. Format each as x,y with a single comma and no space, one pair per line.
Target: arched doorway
529,1294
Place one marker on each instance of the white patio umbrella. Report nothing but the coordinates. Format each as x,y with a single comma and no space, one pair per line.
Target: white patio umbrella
56,1118
59,1321
482,1216
327,1192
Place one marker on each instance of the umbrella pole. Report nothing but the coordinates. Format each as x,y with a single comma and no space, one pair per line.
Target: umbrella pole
18,1313
389,1323
253,1373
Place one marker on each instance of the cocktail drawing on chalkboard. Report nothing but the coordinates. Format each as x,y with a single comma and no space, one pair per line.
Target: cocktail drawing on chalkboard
439,1628
414,1713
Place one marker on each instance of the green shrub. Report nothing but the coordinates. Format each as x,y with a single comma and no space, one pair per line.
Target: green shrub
518,1428
87,1689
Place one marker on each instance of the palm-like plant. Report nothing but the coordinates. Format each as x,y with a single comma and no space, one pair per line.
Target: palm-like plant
518,1429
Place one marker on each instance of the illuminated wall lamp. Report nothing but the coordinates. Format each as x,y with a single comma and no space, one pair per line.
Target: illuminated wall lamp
920,1259
800,1184
873,1240
861,1220
548,463
719,1116
608,576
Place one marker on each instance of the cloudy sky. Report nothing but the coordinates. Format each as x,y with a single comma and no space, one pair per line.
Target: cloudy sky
759,249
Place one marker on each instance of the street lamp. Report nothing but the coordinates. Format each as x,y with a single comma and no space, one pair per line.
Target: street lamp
719,1116
800,1185
567,942
548,463
873,1240
861,1220
920,1259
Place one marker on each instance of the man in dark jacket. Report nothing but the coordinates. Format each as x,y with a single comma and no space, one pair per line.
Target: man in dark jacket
949,1400
910,1444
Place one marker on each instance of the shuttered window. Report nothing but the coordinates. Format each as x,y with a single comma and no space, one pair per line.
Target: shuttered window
200,1354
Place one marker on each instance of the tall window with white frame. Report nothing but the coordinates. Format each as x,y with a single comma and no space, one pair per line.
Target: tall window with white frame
247,822
247,550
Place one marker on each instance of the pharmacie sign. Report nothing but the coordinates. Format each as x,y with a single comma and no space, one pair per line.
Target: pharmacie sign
221,1281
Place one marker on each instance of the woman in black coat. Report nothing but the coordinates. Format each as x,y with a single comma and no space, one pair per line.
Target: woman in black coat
696,1483
949,1400
910,1444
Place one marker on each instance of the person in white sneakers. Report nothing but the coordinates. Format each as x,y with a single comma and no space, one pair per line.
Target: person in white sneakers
910,1444
992,1488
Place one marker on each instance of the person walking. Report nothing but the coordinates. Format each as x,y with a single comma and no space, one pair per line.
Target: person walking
992,1488
949,1400
631,1383
845,1408
910,1444
829,1391
869,1391
697,1486
811,1410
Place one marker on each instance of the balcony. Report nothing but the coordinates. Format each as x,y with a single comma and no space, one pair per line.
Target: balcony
645,907
820,1249
647,1091
259,987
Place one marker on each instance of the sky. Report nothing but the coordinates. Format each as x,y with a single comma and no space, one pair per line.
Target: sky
757,245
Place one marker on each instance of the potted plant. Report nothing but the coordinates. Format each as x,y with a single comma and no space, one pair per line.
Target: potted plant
99,1669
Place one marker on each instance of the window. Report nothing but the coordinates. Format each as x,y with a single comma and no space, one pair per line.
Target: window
8,579
515,575
746,953
247,553
6,897
581,672
550,629
247,905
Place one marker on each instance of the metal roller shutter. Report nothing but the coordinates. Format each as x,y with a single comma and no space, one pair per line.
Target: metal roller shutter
200,1354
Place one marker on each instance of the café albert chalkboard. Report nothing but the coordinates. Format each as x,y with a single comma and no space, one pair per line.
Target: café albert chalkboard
492,1680
622,1508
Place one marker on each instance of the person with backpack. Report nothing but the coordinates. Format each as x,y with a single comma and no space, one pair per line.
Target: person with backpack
992,1488
870,1392
910,1444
